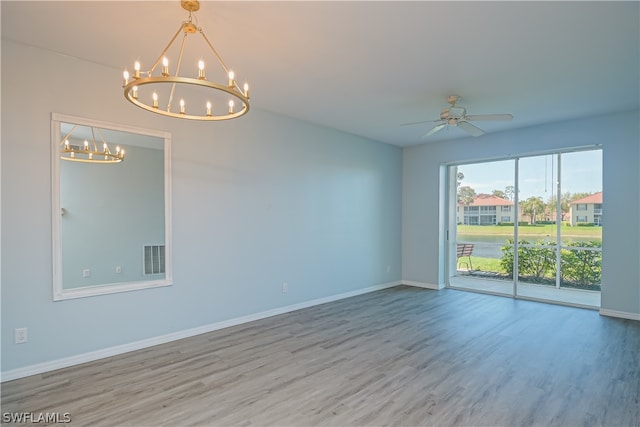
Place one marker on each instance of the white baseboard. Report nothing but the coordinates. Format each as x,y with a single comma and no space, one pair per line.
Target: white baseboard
423,285
620,314
150,342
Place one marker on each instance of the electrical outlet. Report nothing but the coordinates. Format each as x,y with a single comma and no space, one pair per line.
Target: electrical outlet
20,335
118,270
285,287
86,273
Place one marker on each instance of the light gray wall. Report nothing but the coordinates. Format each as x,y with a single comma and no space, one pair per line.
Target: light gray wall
619,136
256,202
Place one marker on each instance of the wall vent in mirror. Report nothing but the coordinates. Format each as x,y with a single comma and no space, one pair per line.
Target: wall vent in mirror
153,259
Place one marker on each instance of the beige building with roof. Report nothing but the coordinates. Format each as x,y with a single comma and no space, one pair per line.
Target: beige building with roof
587,210
486,210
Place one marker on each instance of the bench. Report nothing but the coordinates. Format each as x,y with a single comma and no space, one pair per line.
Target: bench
464,250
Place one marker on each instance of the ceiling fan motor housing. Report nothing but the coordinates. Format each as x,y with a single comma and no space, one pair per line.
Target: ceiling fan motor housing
457,112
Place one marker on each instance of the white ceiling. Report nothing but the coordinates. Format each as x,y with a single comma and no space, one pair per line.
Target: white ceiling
368,67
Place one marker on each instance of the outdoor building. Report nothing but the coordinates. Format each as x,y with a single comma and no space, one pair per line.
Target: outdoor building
485,210
587,210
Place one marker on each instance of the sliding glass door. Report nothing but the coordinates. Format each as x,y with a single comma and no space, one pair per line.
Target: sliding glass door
529,227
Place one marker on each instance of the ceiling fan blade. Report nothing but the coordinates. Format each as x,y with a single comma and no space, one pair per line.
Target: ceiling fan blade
419,123
489,117
434,130
468,127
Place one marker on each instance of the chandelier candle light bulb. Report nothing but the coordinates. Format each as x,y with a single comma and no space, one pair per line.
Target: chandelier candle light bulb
165,66
190,88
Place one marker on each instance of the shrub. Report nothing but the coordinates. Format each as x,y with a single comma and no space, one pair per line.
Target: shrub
535,262
579,267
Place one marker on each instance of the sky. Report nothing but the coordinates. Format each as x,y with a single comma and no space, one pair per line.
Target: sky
581,173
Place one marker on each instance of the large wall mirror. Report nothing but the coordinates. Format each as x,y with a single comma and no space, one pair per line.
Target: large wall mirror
111,207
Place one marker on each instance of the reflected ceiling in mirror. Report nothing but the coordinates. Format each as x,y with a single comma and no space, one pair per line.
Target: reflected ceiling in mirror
111,219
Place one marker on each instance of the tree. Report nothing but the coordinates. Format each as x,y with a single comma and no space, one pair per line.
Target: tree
576,196
459,178
532,207
509,191
564,204
466,195
499,193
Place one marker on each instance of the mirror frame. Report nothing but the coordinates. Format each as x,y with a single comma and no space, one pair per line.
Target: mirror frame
59,292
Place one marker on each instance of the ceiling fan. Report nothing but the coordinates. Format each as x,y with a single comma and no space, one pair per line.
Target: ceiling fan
457,116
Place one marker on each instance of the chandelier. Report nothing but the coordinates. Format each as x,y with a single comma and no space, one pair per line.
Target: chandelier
189,96
89,151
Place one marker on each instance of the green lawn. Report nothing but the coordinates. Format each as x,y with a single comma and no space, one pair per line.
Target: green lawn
530,230
482,264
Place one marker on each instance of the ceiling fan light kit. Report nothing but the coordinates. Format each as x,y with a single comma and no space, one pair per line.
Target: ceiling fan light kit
457,116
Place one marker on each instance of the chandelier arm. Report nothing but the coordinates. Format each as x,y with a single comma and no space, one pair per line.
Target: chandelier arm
104,142
173,86
68,135
93,135
165,50
214,51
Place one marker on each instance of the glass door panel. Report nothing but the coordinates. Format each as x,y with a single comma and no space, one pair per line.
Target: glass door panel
485,216
581,231
537,227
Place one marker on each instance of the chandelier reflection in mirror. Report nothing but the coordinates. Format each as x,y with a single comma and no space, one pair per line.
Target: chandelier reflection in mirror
89,152
190,96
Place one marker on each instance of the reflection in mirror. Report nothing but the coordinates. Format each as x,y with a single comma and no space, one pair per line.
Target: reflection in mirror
111,224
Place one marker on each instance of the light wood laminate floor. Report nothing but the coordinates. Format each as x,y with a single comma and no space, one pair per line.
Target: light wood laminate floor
401,356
